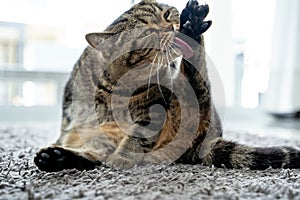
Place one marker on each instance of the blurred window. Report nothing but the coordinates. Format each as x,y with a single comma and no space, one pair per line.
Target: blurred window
40,40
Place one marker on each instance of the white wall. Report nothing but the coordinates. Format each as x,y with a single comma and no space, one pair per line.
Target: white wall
283,95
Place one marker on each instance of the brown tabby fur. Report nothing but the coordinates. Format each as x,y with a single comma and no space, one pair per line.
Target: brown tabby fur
86,141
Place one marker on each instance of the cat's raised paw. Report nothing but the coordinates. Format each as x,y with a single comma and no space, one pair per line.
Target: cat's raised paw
56,159
192,19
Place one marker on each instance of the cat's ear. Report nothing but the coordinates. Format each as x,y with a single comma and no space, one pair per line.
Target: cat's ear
99,41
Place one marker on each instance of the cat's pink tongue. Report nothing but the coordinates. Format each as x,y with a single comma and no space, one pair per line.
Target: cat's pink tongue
184,47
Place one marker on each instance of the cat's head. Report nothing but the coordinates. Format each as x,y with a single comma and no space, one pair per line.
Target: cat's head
144,34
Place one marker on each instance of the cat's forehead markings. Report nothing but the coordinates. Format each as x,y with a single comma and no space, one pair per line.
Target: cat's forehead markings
159,26
163,25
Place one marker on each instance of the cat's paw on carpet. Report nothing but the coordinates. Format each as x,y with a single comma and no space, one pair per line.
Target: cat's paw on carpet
56,159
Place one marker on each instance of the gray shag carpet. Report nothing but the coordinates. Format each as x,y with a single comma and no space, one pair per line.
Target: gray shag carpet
20,179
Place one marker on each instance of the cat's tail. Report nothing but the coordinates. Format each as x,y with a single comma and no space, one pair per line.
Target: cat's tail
233,155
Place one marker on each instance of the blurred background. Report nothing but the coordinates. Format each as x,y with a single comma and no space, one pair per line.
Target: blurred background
254,45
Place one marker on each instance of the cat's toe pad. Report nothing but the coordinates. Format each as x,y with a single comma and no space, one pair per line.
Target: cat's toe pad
49,159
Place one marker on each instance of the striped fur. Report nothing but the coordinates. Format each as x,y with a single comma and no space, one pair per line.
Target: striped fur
90,134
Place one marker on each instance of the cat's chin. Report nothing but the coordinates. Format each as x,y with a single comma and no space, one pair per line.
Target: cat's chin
186,49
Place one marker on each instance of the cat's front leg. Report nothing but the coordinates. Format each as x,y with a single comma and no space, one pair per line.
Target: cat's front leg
127,154
149,116
132,149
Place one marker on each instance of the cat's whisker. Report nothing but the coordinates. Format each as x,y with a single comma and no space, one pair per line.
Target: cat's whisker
150,75
186,62
165,43
157,78
169,68
175,50
161,41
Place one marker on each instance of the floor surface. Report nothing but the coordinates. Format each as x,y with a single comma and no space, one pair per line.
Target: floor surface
20,179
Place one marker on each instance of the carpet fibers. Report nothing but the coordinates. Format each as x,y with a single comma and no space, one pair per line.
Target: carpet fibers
20,179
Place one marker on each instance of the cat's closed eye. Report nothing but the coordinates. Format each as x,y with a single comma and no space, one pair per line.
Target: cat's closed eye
167,15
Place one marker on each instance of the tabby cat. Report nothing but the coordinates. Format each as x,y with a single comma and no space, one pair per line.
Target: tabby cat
160,53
